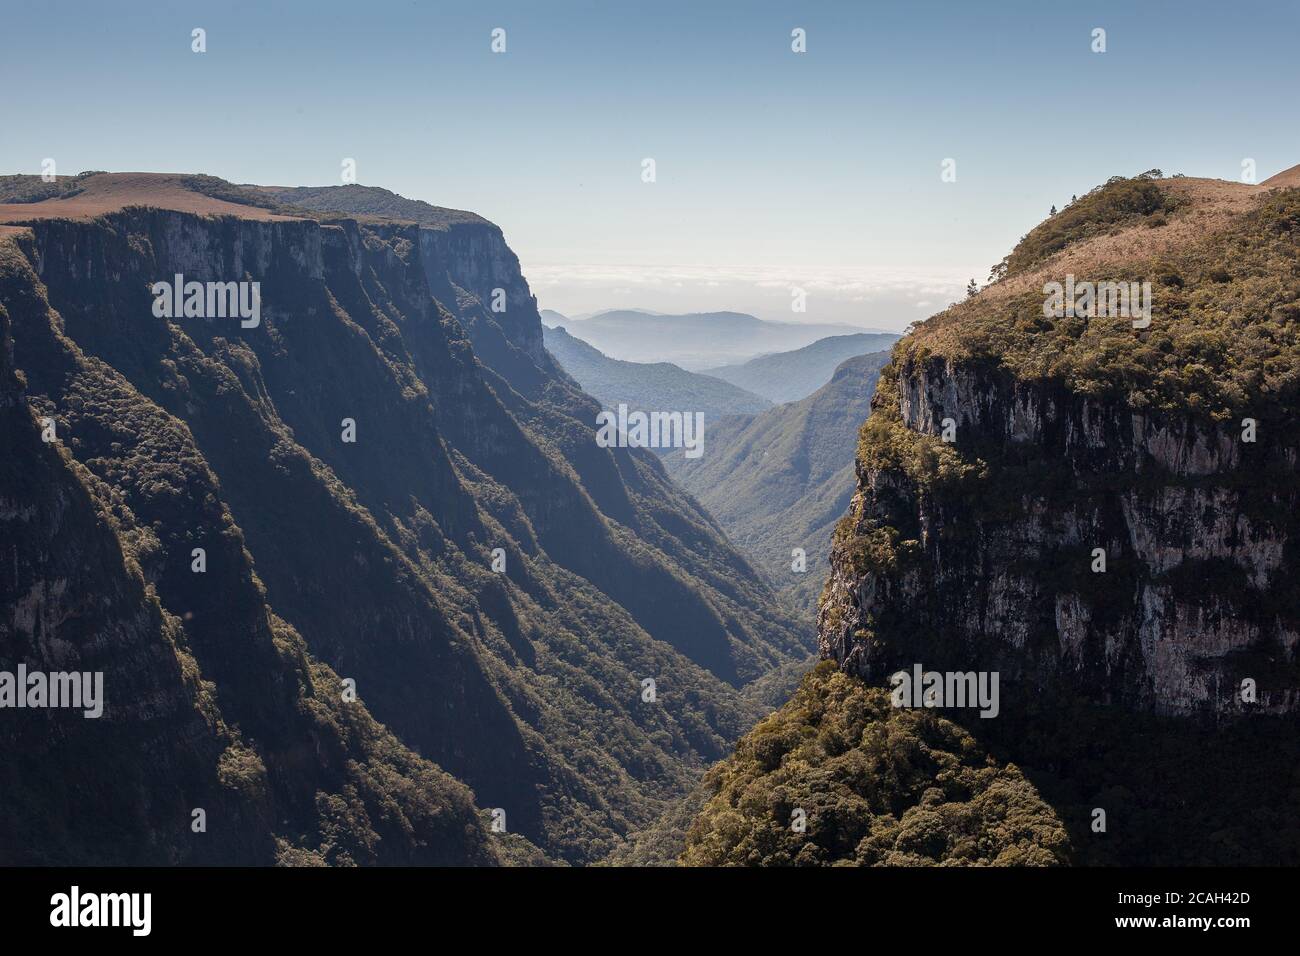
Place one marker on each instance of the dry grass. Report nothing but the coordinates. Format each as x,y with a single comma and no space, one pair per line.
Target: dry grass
1288,178
1225,290
1209,206
111,192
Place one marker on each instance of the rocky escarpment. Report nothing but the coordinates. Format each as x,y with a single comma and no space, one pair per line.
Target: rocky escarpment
460,252
221,740
999,567
1124,527
497,586
1075,505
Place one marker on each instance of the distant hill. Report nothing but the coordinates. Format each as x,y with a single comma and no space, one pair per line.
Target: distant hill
660,386
694,341
357,200
790,376
781,479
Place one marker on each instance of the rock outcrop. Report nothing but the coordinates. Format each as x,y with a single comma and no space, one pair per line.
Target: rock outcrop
1133,541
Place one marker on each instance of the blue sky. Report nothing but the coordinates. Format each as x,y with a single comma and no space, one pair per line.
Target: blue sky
773,168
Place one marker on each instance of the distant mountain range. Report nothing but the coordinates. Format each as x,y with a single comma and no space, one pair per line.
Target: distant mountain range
781,479
694,341
659,386
790,376
775,477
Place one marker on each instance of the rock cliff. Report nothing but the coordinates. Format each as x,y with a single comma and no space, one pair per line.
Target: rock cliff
1102,512
1114,511
392,485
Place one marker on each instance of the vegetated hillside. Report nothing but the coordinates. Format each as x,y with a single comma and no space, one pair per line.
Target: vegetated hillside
872,785
368,202
28,188
1113,528
790,376
694,341
369,560
212,704
781,479
662,842
661,386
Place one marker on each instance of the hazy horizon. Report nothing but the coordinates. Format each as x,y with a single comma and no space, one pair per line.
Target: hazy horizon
777,320
890,304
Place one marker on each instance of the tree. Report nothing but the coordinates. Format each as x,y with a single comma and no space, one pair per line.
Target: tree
972,288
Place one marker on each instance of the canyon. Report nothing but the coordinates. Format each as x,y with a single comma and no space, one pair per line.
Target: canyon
430,600
331,563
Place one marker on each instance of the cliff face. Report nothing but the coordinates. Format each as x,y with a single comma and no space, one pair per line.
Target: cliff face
464,257
1196,527
981,552
371,559
1076,505
221,740
476,258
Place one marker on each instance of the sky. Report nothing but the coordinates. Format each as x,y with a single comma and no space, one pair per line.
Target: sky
774,170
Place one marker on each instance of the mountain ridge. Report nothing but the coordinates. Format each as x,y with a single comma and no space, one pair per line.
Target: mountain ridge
693,340
789,376
647,386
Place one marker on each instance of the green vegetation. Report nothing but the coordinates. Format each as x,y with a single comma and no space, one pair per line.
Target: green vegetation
880,786
26,188
886,445
367,202
887,786
1224,339
1108,208
218,188
781,479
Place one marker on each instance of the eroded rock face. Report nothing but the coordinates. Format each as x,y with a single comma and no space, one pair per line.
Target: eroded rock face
370,560
995,571
477,260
